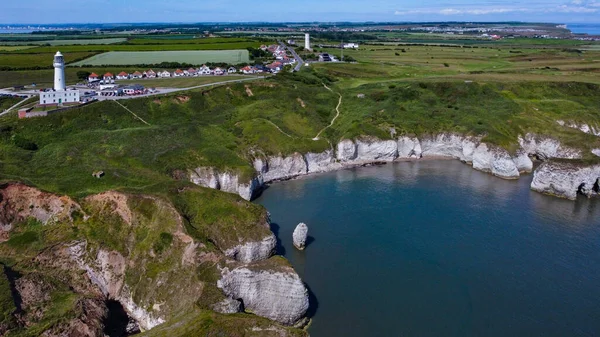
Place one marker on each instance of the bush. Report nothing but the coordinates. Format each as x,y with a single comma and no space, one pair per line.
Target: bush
446,65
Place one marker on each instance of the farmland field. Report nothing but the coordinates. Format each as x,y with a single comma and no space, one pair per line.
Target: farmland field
14,48
147,47
191,57
31,61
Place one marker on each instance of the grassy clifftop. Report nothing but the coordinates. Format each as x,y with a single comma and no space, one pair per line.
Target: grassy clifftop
222,127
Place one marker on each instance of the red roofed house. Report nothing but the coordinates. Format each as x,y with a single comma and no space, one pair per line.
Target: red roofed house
93,77
248,70
108,77
123,76
137,74
275,67
178,73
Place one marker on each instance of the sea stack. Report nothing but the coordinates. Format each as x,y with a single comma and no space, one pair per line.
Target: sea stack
299,236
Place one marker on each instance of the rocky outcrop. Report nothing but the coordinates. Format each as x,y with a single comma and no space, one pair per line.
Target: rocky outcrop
107,272
583,127
19,202
268,290
225,181
253,250
228,306
546,148
300,235
566,180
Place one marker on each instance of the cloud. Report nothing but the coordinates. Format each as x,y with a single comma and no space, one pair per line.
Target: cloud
455,11
575,6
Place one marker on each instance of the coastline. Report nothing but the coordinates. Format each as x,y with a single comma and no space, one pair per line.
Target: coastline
565,180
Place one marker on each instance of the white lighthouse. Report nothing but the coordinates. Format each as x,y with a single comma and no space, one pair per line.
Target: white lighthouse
59,94
59,72
307,41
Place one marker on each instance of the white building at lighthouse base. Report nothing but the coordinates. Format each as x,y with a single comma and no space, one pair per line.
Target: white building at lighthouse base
59,97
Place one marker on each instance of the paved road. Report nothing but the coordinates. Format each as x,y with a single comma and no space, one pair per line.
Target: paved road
30,93
14,106
299,61
171,90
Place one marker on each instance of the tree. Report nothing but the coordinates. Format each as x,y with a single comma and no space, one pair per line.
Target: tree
83,75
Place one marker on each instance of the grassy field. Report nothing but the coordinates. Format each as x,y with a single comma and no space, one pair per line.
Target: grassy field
385,63
182,82
191,57
43,60
146,47
13,48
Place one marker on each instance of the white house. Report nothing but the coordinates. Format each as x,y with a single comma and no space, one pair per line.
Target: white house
163,74
178,73
137,74
93,78
350,45
232,70
204,70
218,71
149,74
248,70
123,76
59,97
191,72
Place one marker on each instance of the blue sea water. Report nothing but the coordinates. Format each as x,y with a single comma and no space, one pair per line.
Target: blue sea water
435,248
585,28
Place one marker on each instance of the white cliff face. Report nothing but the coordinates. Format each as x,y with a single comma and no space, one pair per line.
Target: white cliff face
496,161
546,148
449,145
370,149
279,295
300,235
409,148
253,251
279,168
147,320
346,150
566,180
523,162
321,162
225,181
107,272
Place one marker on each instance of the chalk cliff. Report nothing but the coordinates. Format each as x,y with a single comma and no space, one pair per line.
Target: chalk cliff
566,180
267,289
369,150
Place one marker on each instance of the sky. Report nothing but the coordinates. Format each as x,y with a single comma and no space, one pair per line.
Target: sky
116,11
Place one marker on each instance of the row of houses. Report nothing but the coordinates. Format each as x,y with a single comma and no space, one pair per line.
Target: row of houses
202,71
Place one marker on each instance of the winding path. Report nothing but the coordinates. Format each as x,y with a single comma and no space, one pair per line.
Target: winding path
133,113
278,128
337,108
14,106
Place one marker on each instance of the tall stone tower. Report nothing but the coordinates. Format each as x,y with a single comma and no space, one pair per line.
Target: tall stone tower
59,72
307,41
